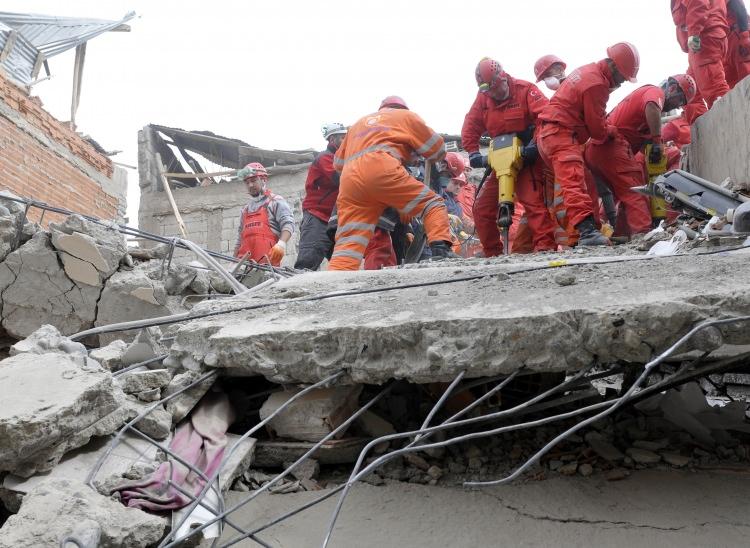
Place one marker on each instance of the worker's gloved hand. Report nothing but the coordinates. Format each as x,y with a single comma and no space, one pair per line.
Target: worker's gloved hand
694,43
611,132
476,160
530,153
277,252
656,153
745,43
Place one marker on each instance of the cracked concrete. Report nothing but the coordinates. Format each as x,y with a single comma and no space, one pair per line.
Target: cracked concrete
651,508
493,324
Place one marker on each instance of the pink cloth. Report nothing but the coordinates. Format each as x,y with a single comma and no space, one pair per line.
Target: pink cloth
201,441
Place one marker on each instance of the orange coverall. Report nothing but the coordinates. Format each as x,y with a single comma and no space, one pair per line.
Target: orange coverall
373,177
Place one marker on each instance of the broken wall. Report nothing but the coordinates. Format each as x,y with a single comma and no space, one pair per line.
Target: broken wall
720,145
43,159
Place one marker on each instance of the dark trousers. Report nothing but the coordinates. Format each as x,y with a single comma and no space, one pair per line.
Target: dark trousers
314,242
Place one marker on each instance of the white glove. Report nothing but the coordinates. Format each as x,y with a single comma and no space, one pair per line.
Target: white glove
694,43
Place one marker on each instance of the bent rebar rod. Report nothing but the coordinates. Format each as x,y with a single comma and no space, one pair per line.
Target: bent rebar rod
622,400
460,439
440,402
118,437
139,364
242,438
342,427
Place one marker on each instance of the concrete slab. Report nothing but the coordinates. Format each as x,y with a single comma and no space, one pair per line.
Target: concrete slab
508,316
651,508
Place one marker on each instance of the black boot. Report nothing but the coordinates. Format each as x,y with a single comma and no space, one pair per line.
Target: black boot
442,250
588,233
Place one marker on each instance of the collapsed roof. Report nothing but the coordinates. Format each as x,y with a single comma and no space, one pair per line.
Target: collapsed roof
28,40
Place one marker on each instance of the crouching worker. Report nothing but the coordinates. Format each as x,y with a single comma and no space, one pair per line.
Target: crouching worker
266,222
373,177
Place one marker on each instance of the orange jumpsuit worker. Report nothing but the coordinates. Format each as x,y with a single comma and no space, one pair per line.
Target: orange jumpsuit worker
373,177
266,222
507,105
737,61
637,120
576,113
702,30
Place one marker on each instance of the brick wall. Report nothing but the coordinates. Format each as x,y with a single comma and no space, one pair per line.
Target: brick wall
41,158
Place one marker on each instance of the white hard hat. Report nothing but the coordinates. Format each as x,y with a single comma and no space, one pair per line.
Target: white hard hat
333,128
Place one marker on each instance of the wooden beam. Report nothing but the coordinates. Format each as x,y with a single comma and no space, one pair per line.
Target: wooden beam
168,190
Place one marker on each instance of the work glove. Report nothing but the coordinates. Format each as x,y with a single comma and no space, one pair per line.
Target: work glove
656,153
530,153
745,43
277,252
694,43
477,160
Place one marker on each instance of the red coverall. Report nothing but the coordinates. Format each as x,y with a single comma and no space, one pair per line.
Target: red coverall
321,186
614,160
708,20
373,177
678,131
736,64
513,115
576,112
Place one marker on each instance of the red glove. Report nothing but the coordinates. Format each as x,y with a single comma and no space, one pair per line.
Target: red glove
745,43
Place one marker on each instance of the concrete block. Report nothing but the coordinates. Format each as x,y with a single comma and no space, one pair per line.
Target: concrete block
133,382
314,415
720,143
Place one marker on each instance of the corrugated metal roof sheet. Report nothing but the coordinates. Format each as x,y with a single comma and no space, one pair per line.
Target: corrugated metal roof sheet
49,36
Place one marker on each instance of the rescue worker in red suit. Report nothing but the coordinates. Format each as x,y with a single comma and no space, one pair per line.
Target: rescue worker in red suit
677,131
266,222
321,190
577,112
702,33
637,122
737,62
507,105
373,177
551,70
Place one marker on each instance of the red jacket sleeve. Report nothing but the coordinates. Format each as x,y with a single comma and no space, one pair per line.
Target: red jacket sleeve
595,112
536,101
697,15
473,127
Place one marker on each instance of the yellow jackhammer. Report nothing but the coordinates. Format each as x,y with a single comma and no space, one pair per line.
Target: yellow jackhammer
505,159
658,204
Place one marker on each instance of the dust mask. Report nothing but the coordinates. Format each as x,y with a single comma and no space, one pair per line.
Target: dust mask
552,82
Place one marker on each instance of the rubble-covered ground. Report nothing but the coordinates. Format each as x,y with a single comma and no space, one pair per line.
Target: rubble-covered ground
669,467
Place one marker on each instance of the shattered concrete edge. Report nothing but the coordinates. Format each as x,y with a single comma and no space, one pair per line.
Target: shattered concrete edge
486,327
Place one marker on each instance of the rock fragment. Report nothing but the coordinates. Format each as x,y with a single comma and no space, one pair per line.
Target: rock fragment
58,508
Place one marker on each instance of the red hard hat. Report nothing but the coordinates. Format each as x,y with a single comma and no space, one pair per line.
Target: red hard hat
543,64
456,164
687,85
626,59
253,169
393,101
487,73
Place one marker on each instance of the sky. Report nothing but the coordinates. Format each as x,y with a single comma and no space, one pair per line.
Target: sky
271,73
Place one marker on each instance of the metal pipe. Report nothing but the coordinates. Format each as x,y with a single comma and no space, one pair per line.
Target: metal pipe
342,427
242,438
139,364
220,270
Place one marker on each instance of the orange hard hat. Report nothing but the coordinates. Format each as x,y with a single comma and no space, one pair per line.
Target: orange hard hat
393,101
487,73
687,85
625,57
543,64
